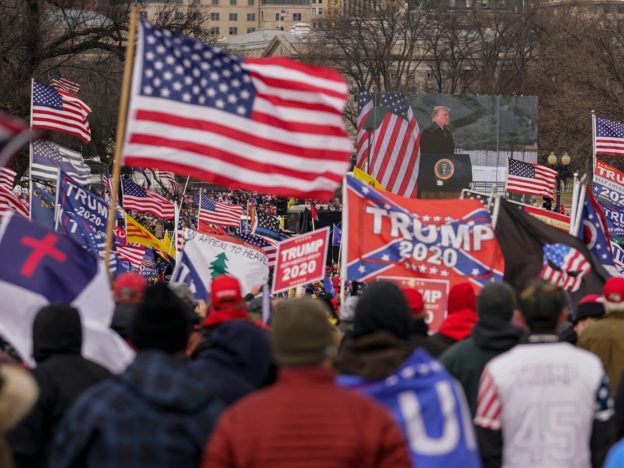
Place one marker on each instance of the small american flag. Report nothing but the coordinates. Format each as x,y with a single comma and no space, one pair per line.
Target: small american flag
48,158
365,107
9,202
7,178
269,125
214,212
140,199
132,253
60,111
531,179
609,137
396,149
564,266
166,176
266,245
60,83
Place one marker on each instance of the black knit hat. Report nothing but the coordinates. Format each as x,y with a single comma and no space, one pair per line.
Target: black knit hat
496,301
382,306
160,321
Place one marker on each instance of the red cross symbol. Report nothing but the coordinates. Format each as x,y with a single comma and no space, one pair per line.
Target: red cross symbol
41,249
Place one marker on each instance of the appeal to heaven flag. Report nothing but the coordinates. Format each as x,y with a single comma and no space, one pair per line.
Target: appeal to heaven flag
271,125
206,257
48,268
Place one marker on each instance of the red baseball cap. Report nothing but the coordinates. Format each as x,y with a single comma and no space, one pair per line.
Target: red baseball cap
225,291
414,301
128,287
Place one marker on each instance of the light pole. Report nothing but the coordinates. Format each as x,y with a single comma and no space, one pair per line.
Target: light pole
561,166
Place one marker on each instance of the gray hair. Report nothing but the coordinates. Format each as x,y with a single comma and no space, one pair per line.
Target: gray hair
436,109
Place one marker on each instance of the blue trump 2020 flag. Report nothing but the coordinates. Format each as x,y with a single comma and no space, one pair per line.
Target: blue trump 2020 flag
49,267
430,408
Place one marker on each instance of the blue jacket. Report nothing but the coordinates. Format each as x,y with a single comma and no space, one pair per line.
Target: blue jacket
158,413
238,358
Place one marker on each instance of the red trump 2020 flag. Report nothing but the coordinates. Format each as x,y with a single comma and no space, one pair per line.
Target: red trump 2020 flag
269,125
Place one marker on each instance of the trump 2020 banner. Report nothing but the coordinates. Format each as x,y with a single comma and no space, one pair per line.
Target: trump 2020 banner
431,243
609,193
82,215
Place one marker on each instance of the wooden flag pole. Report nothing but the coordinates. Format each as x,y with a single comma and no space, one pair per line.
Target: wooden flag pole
121,131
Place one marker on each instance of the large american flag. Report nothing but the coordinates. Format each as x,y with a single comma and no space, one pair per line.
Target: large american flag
60,111
137,198
268,125
564,266
396,149
609,137
362,137
214,212
48,158
531,179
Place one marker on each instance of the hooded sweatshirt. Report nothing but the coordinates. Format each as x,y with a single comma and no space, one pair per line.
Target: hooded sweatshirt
62,374
461,315
239,358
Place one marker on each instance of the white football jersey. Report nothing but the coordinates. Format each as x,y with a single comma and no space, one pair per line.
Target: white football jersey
544,398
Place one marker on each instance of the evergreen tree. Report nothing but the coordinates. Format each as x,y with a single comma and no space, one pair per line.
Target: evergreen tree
218,266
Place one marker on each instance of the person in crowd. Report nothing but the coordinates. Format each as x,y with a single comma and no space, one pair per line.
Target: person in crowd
461,316
545,402
18,394
492,335
589,309
605,337
127,291
419,330
158,413
62,375
239,358
184,292
227,304
380,361
305,419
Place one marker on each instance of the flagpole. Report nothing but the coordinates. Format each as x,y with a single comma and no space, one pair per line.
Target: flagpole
581,201
574,207
593,113
343,238
176,219
57,213
121,130
30,152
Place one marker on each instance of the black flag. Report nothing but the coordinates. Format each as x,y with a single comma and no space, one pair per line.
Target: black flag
533,249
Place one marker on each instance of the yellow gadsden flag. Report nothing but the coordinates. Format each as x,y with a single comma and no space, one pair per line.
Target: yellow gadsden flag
368,179
137,234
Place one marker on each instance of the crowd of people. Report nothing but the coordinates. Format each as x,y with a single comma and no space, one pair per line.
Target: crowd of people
510,379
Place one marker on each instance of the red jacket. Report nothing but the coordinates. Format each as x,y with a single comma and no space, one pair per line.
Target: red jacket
305,420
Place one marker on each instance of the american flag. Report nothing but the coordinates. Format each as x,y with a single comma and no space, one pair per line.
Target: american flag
489,408
107,181
132,253
7,178
365,107
60,111
48,158
531,179
214,212
60,83
394,156
14,133
140,199
9,202
166,176
609,137
268,125
266,245
564,266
